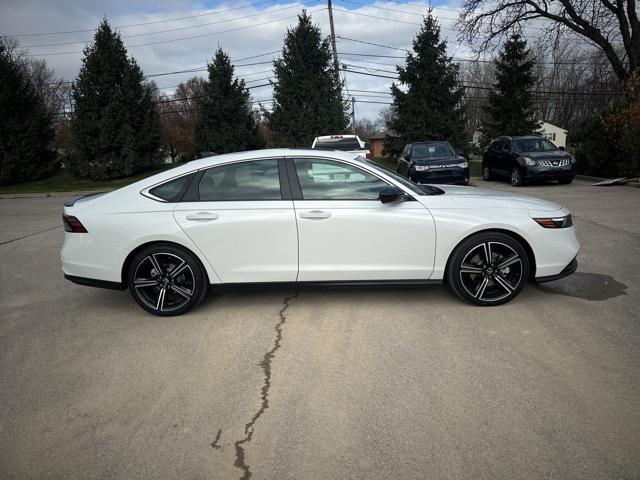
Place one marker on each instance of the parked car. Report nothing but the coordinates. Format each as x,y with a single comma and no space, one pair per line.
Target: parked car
308,216
527,159
345,143
433,162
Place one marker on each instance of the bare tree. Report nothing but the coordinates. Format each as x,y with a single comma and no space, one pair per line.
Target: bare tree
611,25
178,117
365,128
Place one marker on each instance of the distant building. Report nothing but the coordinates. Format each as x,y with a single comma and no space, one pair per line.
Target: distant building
377,143
555,134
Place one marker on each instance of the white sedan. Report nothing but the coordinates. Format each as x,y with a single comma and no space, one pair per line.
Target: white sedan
308,216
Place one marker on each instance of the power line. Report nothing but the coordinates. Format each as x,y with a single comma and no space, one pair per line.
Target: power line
144,23
167,30
173,40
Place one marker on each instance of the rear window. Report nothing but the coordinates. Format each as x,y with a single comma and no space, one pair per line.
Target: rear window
344,144
173,190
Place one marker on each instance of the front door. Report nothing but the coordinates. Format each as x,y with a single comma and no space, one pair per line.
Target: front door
346,233
242,223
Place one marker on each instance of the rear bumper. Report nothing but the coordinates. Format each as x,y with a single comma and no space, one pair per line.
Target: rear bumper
568,270
92,282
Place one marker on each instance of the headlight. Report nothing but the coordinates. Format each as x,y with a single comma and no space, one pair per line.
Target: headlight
555,222
462,165
529,161
421,168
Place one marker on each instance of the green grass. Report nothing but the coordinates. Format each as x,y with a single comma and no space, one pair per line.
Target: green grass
386,162
66,183
475,168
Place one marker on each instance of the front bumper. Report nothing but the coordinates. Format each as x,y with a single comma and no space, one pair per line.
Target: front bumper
539,173
449,176
568,270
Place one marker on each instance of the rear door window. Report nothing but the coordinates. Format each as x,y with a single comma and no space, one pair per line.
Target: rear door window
252,180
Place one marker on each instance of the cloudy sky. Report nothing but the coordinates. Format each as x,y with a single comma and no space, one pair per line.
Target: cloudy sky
165,36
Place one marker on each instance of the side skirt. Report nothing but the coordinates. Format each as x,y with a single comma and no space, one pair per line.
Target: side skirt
92,282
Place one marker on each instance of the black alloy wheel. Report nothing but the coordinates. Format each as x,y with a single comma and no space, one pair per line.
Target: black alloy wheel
488,269
486,173
516,177
166,280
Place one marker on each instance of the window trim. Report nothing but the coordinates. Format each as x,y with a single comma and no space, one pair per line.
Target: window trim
147,191
191,193
296,189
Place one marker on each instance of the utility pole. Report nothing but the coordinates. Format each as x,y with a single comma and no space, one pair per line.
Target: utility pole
336,65
353,114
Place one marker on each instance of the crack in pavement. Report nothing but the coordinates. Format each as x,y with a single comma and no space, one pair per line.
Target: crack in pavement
264,395
30,235
215,443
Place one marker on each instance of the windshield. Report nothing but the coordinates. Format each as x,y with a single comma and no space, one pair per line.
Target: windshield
432,150
527,145
339,143
415,188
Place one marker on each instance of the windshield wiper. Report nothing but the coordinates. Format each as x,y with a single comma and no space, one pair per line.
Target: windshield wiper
430,190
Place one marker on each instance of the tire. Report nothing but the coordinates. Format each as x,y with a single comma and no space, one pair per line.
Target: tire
516,177
487,284
165,293
565,181
486,173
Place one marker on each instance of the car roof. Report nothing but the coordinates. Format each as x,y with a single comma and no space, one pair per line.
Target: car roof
338,135
427,142
267,153
515,137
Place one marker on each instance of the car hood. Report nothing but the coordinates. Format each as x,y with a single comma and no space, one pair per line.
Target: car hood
472,197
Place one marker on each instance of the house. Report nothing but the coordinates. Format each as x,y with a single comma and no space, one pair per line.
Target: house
554,133
376,141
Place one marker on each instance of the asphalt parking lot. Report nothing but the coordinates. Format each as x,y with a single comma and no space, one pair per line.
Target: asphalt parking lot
328,383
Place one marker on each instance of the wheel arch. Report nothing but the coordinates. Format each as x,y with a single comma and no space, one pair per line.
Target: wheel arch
516,236
124,273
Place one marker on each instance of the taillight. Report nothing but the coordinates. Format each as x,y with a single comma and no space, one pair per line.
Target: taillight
72,224
368,156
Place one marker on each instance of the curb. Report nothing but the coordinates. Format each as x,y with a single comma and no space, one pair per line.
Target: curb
587,178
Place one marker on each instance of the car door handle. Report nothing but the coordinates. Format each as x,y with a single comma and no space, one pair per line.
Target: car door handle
202,217
315,215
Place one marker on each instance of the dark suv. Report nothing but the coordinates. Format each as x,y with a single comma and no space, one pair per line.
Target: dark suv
527,159
433,162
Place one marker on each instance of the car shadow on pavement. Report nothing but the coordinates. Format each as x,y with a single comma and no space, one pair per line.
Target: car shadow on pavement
595,287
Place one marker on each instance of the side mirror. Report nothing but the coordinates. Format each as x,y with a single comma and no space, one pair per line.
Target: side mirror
391,195
367,146
561,148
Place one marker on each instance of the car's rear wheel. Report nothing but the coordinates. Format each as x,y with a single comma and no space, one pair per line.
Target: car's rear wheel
488,269
167,280
486,173
516,177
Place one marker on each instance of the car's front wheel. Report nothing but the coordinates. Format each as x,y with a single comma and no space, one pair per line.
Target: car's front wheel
167,280
486,173
488,269
516,177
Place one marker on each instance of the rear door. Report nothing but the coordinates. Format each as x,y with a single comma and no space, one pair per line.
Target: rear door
346,233
241,217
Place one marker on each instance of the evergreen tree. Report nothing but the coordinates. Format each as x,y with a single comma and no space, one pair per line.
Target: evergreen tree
225,121
510,110
431,106
307,95
116,127
26,129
